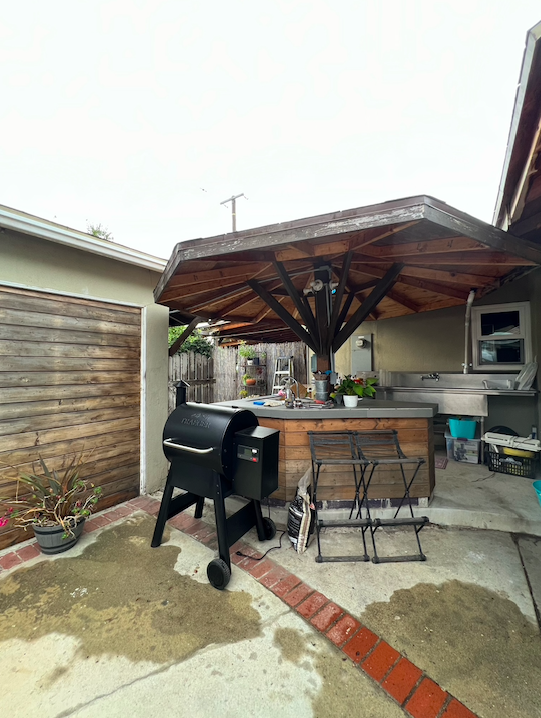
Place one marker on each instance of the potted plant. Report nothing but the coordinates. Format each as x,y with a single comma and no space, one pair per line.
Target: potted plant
54,503
243,394
354,389
248,353
248,380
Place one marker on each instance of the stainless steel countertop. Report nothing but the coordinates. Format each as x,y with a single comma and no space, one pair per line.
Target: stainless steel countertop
366,409
429,389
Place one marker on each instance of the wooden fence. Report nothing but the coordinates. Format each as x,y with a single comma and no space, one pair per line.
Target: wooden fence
228,367
198,372
218,378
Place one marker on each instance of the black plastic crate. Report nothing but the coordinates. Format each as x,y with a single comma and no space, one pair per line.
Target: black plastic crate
519,466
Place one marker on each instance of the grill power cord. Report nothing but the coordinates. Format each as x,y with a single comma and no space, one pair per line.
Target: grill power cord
239,553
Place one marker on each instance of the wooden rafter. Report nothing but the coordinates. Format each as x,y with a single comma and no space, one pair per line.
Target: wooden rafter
304,311
400,298
219,294
173,349
370,236
284,315
368,306
337,303
453,244
474,257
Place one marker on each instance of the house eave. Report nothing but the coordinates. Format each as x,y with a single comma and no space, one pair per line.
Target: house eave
37,227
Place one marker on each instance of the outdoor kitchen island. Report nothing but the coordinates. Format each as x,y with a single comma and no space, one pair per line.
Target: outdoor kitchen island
415,434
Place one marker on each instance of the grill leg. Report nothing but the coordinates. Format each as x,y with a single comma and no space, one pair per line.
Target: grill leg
199,507
221,520
163,515
260,526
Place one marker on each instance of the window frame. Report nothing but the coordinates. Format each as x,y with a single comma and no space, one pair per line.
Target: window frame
525,333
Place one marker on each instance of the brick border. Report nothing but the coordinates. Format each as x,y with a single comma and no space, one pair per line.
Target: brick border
405,683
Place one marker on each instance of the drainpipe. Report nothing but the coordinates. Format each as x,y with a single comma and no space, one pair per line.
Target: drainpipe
467,336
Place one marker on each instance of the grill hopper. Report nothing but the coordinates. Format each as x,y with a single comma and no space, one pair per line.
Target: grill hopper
214,452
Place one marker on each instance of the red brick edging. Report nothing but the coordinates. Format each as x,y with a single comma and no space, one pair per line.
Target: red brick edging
404,682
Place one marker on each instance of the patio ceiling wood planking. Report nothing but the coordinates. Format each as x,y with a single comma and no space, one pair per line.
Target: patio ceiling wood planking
397,258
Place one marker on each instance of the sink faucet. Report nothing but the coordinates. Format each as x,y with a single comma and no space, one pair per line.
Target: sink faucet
288,381
434,376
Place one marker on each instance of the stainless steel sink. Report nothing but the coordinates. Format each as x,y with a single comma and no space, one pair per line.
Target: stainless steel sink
454,393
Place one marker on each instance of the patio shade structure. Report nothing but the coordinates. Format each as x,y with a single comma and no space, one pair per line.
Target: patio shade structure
318,279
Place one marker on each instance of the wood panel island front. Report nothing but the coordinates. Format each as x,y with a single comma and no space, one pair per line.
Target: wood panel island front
413,422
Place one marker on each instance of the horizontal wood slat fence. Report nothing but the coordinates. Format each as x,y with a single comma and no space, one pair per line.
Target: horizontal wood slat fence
69,383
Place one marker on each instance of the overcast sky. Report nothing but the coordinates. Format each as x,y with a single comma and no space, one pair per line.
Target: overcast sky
143,115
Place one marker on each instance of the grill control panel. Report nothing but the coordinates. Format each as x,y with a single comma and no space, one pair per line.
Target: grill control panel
248,453
256,470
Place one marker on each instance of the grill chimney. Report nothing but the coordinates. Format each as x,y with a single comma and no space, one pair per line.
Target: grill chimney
181,392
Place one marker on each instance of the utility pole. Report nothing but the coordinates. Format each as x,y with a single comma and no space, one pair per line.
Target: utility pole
233,201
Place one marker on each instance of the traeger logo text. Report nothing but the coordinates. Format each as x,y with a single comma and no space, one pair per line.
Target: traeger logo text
199,420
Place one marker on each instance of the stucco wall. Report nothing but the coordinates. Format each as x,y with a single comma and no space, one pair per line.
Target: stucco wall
434,341
39,264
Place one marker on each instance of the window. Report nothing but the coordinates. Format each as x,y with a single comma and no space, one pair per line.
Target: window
501,337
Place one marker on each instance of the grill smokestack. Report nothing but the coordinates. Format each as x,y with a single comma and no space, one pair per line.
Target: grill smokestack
181,392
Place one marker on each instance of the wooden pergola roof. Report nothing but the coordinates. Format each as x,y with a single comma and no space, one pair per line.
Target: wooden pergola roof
401,257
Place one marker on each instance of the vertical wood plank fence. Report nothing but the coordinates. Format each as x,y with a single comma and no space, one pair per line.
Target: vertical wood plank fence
198,371
219,378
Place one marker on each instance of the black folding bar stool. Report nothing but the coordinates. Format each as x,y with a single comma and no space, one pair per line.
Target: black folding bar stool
337,448
381,448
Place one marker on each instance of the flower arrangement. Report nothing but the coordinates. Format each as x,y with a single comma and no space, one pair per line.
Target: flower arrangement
356,387
53,498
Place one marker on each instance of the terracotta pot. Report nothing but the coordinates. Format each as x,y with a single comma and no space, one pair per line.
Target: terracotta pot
250,382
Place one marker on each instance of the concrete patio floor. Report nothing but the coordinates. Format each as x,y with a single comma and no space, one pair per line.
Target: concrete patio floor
114,627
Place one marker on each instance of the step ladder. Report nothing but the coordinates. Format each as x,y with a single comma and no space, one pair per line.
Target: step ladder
282,369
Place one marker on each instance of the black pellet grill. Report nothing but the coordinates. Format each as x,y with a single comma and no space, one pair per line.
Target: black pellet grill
216,451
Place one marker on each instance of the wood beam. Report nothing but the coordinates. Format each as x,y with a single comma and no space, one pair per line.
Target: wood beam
374,235
246,298
338,247
464,278
321,303
284,315
369,304
239,272
344,273
445,290
527,225
210,297
468,279
453,244
306,316
345,309
404,301
487,235
173,349
476,258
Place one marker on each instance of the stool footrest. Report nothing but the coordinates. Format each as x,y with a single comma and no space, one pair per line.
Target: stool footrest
342,559
399,559
419,521
353,523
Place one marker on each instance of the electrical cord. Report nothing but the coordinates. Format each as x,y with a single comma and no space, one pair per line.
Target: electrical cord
239,553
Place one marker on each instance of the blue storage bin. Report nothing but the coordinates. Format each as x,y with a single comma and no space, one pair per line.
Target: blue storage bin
462,428
537,487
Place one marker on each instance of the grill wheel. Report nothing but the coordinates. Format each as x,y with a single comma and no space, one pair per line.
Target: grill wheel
270,528
218,573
